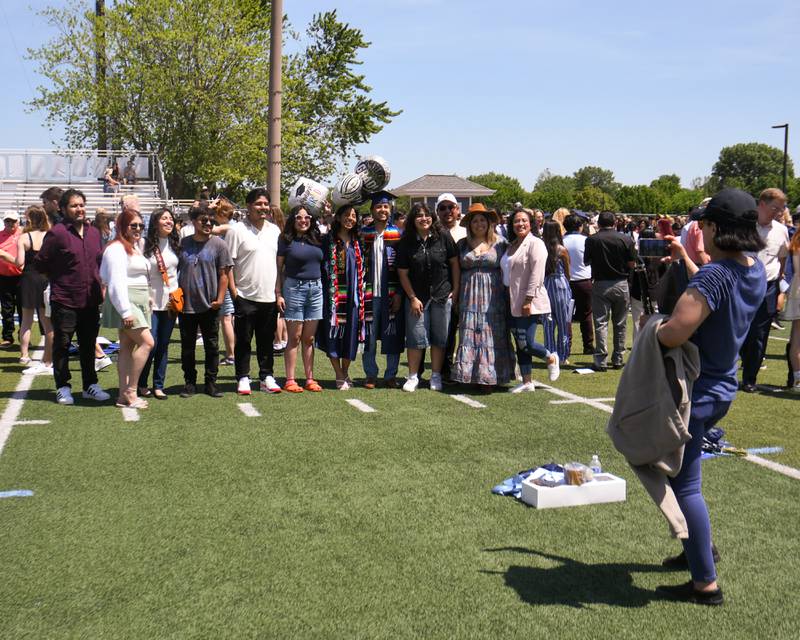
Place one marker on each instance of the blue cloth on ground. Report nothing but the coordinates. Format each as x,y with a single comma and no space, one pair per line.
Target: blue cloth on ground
513,486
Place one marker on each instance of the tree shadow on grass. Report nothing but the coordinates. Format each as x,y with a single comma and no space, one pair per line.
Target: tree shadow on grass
576,584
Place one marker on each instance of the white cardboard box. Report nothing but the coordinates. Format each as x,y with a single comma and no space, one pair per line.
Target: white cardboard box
604,488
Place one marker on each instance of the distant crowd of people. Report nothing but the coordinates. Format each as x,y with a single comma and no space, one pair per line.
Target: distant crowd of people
457,286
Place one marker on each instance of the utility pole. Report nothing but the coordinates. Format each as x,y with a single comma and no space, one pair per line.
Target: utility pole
275,93
100,70
785,128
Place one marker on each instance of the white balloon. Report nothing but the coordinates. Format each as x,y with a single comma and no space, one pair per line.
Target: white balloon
348,190
374,172
309,193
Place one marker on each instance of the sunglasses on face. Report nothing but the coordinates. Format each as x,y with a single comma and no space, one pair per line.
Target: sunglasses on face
446,207
135,226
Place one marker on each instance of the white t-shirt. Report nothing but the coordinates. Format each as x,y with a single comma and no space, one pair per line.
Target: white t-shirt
776,237
458,232
575,244
161,293
254,254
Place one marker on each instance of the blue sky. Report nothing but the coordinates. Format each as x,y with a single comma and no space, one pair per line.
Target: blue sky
520,86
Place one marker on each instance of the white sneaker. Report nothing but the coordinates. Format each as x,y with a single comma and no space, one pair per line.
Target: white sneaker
37,368
524,387
243,388
411,384
64,396
554,369
268,385
95,392
102,363
436,382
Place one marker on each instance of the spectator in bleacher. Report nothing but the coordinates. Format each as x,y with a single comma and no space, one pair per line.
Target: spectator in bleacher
70,258
9,274
127,307
110,184
203,275
129,177
161,248
32,285
50,198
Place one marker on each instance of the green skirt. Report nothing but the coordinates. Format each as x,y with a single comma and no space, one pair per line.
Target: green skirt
139,297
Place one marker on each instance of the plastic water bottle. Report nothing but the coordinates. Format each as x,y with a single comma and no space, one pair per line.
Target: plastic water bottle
594,465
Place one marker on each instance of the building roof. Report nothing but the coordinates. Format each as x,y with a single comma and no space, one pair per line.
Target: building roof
434,184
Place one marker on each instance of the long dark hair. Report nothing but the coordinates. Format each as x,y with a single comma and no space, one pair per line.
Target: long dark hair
337,223
410,230
151,240
289,232
510,224
551,234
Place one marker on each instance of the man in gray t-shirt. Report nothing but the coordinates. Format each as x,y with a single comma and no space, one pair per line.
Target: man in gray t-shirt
203,276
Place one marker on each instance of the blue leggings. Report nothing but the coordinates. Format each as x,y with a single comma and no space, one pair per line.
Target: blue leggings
688,489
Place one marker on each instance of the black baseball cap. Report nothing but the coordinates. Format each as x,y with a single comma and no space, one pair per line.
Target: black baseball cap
731,206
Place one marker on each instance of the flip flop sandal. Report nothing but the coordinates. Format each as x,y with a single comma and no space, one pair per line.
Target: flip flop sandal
292,387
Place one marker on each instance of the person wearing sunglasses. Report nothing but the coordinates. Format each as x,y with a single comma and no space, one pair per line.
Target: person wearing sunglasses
203,267
126,274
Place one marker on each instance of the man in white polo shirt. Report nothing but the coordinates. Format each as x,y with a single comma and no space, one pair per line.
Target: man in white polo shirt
771,204
253,246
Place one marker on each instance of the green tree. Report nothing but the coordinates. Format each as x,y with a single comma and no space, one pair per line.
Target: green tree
552,191
594,199
668,184
188,80
641,199
602,179
508,190
751,166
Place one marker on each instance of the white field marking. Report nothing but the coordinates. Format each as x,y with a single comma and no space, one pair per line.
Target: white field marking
15,402
791,472
780,339
469,401
581,400
361,406
18,422
249,410
130,414
775,466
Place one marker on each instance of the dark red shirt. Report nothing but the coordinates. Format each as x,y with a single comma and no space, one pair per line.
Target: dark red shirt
72,265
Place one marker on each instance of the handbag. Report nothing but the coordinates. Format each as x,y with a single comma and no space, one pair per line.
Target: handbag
175,305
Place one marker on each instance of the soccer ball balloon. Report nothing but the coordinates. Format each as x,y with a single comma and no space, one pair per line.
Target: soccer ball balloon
348,190
374,172
308,193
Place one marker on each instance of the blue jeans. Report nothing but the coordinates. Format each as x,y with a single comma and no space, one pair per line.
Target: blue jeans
687,486
162,324
371,349
524,330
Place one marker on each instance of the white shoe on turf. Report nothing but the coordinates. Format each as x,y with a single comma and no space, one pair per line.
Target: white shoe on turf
102,363
411,384
243,388
269,385
64,396
553,368
95,392
524,387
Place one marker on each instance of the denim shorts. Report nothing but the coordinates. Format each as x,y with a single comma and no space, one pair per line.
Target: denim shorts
429,329
227,306
303,299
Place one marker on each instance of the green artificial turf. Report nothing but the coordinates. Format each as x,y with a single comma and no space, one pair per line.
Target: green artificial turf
317,520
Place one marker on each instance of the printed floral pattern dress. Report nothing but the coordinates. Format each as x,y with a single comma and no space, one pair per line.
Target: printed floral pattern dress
484,354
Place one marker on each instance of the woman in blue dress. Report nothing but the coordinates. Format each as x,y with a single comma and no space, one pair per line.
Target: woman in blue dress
342,327
556,281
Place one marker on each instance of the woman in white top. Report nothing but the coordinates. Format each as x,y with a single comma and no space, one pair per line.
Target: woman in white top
161,248
126,274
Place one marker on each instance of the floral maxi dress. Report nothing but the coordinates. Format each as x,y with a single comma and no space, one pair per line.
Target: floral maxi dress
484,353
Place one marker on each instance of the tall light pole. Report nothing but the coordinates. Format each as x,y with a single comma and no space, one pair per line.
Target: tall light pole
100,69
785,128
275,92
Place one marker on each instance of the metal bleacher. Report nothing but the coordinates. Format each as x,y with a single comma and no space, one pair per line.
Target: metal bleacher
25,173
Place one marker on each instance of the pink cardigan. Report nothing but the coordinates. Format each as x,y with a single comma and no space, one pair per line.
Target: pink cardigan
526,277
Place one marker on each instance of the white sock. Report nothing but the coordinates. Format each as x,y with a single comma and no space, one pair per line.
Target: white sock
413,376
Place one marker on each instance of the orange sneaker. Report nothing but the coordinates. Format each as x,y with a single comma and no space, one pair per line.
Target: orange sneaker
312,385
291,386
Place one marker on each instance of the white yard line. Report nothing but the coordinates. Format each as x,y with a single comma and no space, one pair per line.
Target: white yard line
19,422
361,406
130,414
581,400
249,410
779,339
790,472
15,402
469,401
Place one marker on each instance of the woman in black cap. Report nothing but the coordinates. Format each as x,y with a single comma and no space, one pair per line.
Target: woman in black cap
715,313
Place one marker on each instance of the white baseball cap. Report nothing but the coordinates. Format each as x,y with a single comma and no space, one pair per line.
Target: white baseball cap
10,215
446,197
